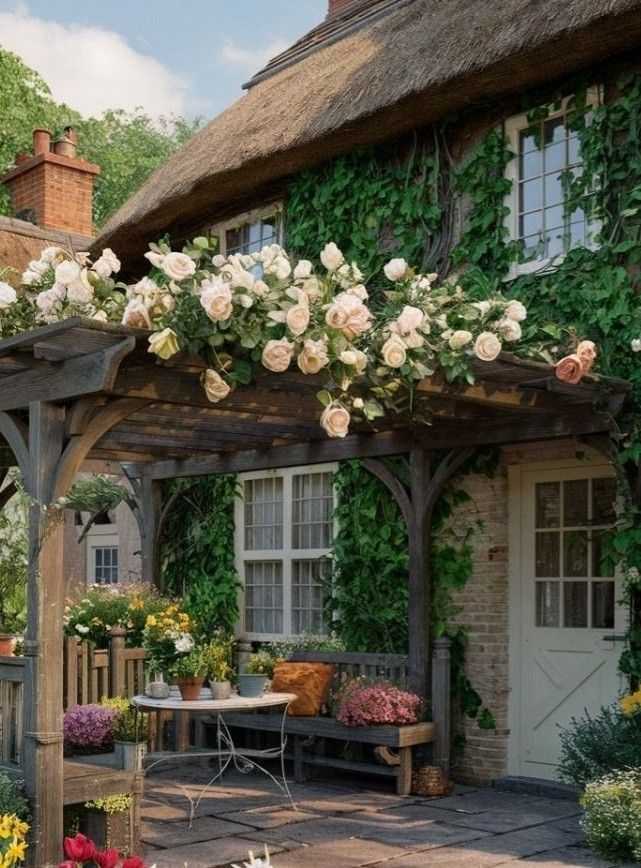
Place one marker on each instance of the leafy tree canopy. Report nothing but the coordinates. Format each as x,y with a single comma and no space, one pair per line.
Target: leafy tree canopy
127,146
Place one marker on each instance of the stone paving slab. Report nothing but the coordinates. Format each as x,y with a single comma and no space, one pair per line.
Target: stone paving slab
179,834
350,853
270,817
208,854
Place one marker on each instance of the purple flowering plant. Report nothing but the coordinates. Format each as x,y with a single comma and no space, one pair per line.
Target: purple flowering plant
89,728
366,704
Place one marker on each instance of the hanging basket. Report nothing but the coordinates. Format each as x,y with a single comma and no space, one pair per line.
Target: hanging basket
431,781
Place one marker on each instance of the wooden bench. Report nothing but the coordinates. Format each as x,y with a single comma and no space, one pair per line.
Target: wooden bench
306,732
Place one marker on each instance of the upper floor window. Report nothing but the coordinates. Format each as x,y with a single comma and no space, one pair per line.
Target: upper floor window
547,153
251,231
284,532
102,555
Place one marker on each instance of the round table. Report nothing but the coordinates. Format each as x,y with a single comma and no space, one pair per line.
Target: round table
244,759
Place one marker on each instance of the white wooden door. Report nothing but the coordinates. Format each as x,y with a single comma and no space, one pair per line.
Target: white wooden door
565,608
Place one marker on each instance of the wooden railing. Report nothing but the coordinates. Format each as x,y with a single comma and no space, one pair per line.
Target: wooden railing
13,674
88,674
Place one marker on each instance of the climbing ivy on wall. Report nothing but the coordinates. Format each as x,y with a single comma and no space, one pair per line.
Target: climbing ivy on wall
198,550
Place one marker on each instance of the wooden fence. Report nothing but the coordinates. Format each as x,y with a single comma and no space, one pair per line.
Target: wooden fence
13,674
88,674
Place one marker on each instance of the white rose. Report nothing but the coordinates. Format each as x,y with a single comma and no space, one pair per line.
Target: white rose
145,287
218,260
312,357
38,266
246,301
277,355
393,352
215,387
636,345
459,339
410,319
279,267
67,272
50,253
335,420
331,257
7,295
413,340
303,269
164,344
178,266
297,318
487,347
48,299
348,357
515,310
217,301
348,314
29,277
395,269
359,291
358,403
184,643
509,329
361,361
80,292
100,316
260,287
238,277
136,315
107,264
483,307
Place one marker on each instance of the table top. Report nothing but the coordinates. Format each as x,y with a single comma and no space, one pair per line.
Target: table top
174,702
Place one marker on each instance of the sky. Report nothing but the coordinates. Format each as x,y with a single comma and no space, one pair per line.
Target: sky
185,57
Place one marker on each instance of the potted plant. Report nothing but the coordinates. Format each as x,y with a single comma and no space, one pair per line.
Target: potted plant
130,736
259,669
189,672
217,656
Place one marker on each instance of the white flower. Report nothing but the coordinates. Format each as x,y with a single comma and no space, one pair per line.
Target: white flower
358,403
215,387
67,272
7,295
246,301
38,266
218,260
331,256
303,269
487,347
217,300
348,314
136,315
80,291
29,277
297,318
238,277
515,310
156,259
413,340
50,253
395,269
460,339
279,267
483,307
636,345
393,352
184,643
100,316
277,355
409,319
82,629
312,357
107,264
335,420
359,291
146,287
177,266
509,329
164,344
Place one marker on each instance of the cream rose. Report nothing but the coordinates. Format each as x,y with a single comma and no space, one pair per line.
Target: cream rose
7,295
67,272
395,269
164,344
331,257
359,291
303,269
348,314
393,352
215,387
177,266
510,329
460,339
312,357
358,403
136,315
156,259
49,298
80,292
586,351
217,300
487,347
279,267
515,310
297,318
335,420
409,319
277,355
100,316
107,264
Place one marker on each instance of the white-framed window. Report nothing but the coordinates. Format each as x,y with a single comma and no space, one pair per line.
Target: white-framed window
284,533
250,231
102,555
537,203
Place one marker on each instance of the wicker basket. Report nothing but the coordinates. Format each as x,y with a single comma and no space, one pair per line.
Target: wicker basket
431,781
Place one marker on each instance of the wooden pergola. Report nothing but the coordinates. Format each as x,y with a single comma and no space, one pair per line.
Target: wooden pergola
81,395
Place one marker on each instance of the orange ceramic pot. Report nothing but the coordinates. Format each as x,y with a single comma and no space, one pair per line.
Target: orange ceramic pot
6,645
190,688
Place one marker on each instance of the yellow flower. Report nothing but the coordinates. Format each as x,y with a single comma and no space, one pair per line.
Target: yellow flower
5,826
20,828
631,703
164,344
16,851
151,621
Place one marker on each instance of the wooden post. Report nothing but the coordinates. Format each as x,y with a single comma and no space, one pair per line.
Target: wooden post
441,698
43,758
117,686
418,533
146,506
70,657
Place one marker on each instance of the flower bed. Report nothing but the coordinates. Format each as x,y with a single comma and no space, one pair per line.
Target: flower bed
93,616
89,729
363,704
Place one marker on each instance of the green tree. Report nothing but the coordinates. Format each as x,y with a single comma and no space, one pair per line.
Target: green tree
127,146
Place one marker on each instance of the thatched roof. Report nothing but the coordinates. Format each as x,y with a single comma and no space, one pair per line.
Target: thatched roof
21,241
426,58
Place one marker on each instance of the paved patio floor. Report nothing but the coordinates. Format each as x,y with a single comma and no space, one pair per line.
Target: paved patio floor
342,823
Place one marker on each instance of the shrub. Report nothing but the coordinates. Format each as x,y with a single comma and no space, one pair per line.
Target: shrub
12,799
217,656
594,746
307,642
89,727
124,727
102,608
262,663
612,818
373,704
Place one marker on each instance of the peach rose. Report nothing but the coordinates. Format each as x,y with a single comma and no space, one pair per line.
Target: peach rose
277,355
136,315
215,387
569,369
409,319
487,347
348,314
297,318
335,420
586,351
217,300
394,352
312,357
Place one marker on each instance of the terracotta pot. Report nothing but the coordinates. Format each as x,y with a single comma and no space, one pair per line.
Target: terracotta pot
190,688
6,645
41,141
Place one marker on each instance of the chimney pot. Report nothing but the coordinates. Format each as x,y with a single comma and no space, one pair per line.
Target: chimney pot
41,142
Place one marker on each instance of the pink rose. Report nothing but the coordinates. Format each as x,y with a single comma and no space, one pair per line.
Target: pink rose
586,351
569,369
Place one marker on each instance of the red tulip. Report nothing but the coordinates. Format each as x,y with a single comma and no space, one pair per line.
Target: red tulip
133,862
106,858
68,864
79,849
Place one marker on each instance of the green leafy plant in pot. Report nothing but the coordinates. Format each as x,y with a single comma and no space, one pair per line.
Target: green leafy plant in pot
189,673
217,657
130,734
259,669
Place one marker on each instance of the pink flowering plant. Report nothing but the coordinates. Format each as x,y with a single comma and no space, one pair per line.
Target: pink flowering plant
367,704
89,728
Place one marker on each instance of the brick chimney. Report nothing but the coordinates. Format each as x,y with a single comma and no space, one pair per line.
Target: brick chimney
336,5
52,187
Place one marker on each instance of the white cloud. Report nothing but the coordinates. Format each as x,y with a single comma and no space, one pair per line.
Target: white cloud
91,68
248,60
